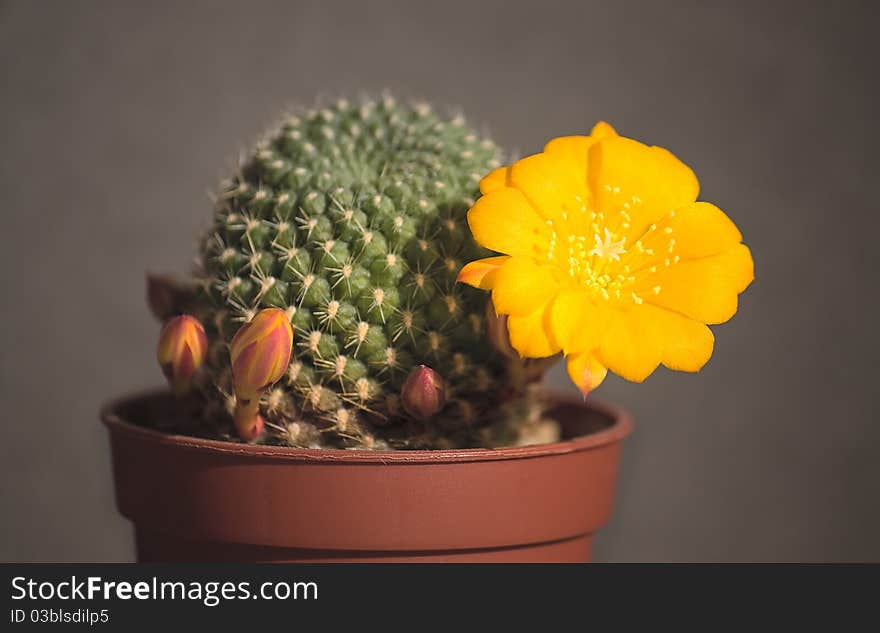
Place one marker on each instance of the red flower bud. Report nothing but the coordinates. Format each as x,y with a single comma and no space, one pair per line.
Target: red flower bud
260,352
181,351
424,393
251,428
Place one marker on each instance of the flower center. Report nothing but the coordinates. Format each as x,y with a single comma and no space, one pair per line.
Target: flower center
608,249
606,255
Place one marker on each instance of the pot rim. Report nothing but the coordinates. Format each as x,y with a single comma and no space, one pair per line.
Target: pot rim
620,427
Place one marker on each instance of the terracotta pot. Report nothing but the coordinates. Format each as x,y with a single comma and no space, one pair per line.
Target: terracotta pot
192,499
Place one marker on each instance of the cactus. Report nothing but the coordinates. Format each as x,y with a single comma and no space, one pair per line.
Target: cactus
352,220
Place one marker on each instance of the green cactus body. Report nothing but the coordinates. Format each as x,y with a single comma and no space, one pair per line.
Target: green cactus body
352,218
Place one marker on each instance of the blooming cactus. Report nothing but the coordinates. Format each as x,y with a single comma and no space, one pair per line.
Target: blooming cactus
349,225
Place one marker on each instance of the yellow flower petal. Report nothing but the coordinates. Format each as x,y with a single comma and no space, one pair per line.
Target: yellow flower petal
571,150
495,179
702,229
633,345
703,289
530,336
602,130
504,221
585,371
687,344
481,273
555,186
520,285
645,181
575,148
577,321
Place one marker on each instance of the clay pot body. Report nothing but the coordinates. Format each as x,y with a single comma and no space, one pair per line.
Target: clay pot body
197,500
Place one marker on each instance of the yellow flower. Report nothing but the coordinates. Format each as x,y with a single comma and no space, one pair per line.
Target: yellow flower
608,257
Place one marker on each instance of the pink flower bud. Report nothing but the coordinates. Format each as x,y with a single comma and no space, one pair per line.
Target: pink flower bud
424,393
181,351
260,352
250,429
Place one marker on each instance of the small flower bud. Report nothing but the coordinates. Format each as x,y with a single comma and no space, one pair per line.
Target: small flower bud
181,351
424,393
260,352
250,429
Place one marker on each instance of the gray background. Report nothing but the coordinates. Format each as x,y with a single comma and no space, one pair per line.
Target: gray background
117,118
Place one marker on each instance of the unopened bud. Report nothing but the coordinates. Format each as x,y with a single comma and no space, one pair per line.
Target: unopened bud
260,352
181,351
424,393
250,429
